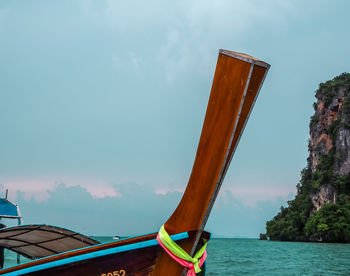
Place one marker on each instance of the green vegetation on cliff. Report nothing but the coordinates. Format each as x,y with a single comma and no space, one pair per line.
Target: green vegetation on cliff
331,223
289,223
328,89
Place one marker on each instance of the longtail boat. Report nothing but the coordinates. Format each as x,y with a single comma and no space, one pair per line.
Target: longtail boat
237,81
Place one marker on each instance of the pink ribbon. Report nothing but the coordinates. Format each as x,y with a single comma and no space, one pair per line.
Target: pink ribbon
182,262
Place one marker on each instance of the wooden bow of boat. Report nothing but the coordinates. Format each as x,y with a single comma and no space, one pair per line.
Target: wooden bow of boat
237,81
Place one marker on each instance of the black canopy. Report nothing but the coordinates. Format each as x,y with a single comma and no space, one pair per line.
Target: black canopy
36,241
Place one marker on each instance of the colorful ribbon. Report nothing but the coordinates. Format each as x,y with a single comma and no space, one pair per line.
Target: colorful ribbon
180,255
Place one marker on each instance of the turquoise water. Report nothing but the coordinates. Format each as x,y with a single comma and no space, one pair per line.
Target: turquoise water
255,257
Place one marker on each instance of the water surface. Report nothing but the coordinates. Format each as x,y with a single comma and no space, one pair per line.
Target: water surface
255,257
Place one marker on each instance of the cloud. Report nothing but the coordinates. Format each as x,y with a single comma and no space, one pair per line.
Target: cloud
39,188
253,195
138,209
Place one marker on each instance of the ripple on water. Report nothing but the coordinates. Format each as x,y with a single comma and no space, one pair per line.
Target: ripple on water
255,257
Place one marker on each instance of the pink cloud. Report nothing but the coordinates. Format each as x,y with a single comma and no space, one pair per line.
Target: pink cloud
251,195
38,188
166,190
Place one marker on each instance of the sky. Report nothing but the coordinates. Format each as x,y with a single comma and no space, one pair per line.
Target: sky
102,105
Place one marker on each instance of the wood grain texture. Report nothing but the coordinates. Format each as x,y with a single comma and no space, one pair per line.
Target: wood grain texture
223,106
235,86
139,262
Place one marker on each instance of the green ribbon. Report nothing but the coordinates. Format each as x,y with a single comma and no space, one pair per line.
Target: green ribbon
179,252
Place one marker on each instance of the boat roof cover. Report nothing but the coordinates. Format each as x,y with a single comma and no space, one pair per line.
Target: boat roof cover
8,209
37,241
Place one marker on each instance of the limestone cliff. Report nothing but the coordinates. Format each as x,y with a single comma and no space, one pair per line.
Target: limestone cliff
330,135
321,208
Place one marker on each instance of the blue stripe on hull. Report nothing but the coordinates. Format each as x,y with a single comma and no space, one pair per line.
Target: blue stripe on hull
92,255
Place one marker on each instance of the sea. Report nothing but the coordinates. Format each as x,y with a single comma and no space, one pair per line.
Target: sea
256,257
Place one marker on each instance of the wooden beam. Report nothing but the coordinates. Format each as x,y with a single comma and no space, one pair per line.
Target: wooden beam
237,81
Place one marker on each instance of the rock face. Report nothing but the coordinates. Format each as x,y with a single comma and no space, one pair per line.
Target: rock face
330,135
320,210
342,144
326,194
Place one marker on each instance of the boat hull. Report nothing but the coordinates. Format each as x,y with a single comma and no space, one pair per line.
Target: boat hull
133,257
138,262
